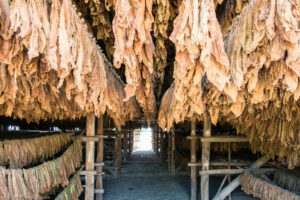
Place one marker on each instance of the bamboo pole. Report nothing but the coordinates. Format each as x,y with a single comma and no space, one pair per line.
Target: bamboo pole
205,158
173,166
90,157
193,160
99,183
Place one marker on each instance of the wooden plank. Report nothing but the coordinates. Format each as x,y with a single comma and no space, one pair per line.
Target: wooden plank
90,157
88,172
193,159
90,138
205,157
236,182
220,138
99,191
235,164
99,159
224,138
232,171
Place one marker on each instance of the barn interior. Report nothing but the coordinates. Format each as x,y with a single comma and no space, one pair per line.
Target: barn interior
149,99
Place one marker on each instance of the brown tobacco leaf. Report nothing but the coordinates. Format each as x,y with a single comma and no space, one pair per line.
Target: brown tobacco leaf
40,180
160,28
134,48
25,152
232,8
62,73
263,188
261,98
199,53
73,189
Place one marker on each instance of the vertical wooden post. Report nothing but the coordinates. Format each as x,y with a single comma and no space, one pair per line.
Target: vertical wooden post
173,166
162,147
126,145
131,141
169,151
193,160
158,140
229,163
90,157
205,157
99,183
117,154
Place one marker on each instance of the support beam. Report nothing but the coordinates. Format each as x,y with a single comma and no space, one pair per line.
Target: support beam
162,146
131,141
173,166
236,182
125,140
193,160
90,157
205,157
99,183
169,151
117,154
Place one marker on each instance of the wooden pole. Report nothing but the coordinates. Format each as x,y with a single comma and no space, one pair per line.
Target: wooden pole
117,154
126,146
229,163
131,141
90,157
236,182
99,183
193,160
173,166
162,149
169,151
205,157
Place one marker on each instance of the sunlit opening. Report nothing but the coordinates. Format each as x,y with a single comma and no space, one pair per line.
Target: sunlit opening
143,139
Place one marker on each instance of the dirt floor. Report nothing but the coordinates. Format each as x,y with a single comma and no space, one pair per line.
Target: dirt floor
144,177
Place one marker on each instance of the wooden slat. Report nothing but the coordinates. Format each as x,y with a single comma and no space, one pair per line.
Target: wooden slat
225,139
99,191
220,138
232,171
88,172
237,164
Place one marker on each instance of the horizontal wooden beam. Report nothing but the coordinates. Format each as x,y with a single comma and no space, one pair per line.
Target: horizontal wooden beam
237,164
224,139
99,191
220,138
88,172
232,171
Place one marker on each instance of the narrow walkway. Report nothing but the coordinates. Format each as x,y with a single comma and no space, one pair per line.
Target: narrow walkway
144,177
